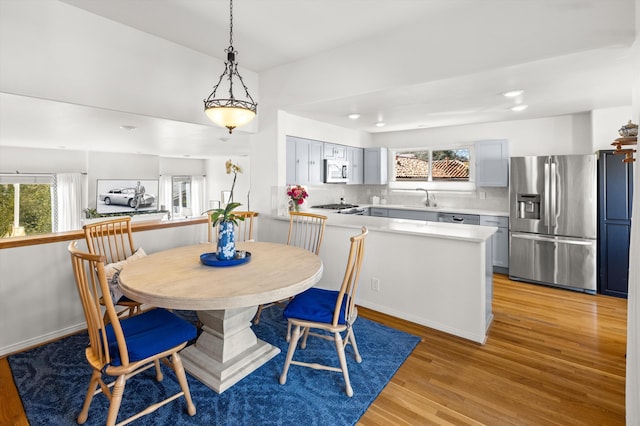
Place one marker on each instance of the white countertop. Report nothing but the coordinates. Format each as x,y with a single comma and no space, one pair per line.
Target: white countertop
438,209
406,226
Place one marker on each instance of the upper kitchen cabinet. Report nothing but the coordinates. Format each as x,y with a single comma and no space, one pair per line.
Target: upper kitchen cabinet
355,157
304,161
375,166
492,163
334,152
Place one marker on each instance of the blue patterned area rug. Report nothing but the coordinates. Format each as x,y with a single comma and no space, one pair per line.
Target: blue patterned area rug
52,381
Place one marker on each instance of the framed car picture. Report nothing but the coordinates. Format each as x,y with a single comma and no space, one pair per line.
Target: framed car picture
122,196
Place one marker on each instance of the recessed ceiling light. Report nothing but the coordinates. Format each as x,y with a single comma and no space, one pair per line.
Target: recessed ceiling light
518,108
354,116
513,93
127,127
380,124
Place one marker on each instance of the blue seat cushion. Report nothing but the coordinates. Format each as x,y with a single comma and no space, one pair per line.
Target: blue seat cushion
149,333
316,305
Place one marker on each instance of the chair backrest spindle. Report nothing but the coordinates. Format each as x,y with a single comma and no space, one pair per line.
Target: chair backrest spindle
112,239
91,282
243,231
306,230
351,276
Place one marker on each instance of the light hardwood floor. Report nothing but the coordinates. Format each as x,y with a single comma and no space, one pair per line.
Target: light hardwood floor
553,357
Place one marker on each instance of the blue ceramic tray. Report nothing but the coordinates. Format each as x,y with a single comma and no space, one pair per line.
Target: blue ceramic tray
211,259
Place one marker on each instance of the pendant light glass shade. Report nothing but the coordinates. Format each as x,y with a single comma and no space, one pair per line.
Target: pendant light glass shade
230,116
230,112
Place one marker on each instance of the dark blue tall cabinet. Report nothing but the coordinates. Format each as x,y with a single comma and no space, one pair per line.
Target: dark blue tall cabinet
615,195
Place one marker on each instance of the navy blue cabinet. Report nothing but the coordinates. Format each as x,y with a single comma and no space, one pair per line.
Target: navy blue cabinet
615,193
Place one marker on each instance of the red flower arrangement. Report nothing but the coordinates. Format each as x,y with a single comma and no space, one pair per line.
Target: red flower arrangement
297,194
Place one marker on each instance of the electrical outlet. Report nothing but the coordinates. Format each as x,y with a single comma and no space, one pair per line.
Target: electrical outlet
383,192
375,284
482,195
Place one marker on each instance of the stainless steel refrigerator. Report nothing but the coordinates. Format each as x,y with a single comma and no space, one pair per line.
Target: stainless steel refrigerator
553,221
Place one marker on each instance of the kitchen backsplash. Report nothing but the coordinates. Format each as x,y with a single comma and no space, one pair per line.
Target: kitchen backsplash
492,199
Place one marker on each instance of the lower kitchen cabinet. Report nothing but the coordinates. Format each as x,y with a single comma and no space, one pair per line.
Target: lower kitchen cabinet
500,242
413,214
379,211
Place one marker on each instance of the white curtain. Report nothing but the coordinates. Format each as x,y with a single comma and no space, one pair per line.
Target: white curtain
68,201
165,193
198,195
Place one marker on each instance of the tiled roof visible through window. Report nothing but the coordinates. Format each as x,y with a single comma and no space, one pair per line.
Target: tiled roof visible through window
410,168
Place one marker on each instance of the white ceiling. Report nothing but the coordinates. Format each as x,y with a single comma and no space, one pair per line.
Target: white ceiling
569,55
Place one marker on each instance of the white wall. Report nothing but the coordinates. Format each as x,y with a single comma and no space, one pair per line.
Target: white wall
67,54
38,297
566,134
33,160
606,123
218,180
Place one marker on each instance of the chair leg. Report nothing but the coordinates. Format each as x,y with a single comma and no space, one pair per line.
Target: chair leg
159,375
256,318
93,385
351,338
176,361
292,348
116,400
305,332
343,363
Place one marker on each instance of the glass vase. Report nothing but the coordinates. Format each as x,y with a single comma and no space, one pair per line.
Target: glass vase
226,241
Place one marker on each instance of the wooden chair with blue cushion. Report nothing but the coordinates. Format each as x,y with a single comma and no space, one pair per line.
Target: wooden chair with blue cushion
113,239
334,312
123,348
306,231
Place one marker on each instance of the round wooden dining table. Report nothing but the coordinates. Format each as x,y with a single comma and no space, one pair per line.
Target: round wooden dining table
225,298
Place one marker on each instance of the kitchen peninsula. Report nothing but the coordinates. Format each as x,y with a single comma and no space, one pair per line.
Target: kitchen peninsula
431,273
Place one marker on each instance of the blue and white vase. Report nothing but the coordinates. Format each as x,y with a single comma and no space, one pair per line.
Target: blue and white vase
226,241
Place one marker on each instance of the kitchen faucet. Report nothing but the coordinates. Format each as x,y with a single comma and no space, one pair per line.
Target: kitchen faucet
427,202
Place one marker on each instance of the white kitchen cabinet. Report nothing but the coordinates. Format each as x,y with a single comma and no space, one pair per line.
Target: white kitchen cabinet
355,157
375,166
334,152
413,214
304,161
500,241
492,163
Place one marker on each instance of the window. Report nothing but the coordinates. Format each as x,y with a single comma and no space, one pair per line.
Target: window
25,205
181,192
451,165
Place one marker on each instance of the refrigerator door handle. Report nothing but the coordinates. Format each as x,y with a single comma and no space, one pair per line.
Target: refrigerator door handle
546,194
553,195
563,240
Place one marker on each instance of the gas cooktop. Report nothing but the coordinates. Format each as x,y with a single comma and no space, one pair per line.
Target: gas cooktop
335,206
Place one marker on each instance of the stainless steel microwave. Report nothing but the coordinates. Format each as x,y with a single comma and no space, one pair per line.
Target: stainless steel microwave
336,171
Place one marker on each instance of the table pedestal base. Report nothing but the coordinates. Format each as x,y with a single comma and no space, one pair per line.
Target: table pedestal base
227,350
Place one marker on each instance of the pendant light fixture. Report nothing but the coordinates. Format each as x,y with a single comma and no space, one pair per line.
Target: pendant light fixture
230,112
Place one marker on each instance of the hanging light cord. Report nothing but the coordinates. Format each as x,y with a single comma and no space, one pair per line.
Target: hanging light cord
231,68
